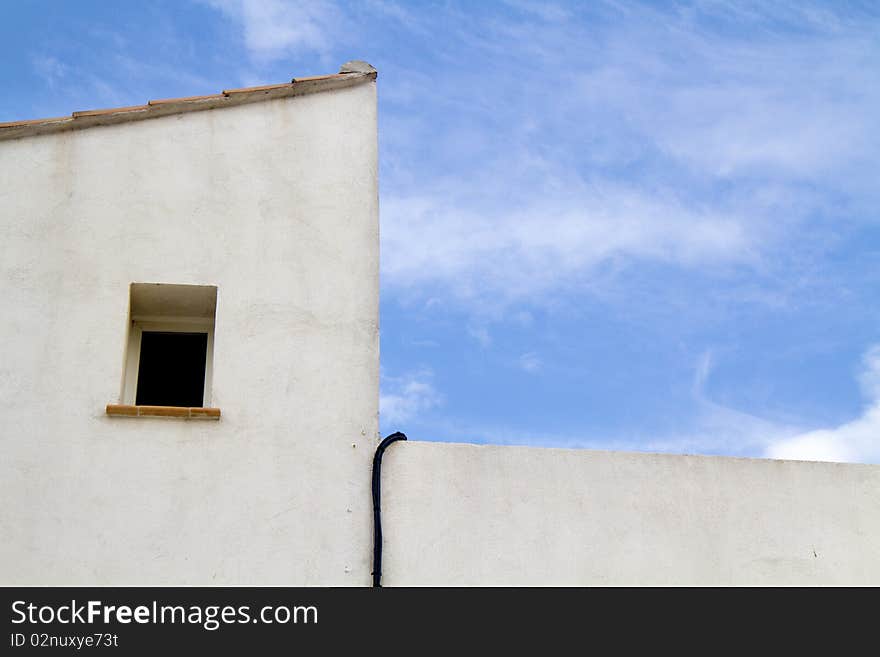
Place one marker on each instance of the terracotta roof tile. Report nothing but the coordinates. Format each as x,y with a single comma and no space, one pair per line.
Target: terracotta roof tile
187,99
15,124
319,77
265,87
164,107
112,110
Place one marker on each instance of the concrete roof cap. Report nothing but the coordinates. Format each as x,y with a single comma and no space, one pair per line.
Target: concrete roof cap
356,66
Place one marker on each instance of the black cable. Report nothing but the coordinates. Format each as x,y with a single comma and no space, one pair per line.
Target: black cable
377,520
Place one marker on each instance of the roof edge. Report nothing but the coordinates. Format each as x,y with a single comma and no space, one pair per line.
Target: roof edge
165,107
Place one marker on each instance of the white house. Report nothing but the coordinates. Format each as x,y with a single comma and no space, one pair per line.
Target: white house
189,381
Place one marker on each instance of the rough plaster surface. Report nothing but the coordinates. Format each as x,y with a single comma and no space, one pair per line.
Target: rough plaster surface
276,204
488,515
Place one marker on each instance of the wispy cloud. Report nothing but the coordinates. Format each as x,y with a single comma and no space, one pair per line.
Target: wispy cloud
510,254
709,427
714,427
857,441
719,429
666,137
273,29
49,68
90,66
405,397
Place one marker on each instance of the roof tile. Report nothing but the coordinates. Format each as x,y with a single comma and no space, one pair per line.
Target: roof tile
112,110
163,107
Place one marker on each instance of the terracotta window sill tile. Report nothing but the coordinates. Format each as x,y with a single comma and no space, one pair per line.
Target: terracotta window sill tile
181,412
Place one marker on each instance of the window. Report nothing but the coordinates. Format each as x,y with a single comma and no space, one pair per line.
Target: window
169,359
171,368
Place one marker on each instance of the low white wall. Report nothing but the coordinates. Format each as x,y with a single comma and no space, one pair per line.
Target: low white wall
490,515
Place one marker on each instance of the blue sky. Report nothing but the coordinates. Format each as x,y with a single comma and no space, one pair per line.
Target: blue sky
613,225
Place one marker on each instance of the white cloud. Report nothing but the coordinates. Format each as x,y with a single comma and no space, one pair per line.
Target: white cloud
857,441
405,398
658,138
507,254
273,29
797,110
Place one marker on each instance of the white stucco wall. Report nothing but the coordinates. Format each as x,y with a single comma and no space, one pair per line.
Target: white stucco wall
466,514
276,204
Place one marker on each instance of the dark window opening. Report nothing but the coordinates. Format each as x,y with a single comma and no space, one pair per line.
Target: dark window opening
172,369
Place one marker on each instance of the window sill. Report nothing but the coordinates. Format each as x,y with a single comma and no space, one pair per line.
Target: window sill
181,412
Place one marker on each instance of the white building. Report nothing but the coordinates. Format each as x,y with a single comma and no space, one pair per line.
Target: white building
189,386
264,199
